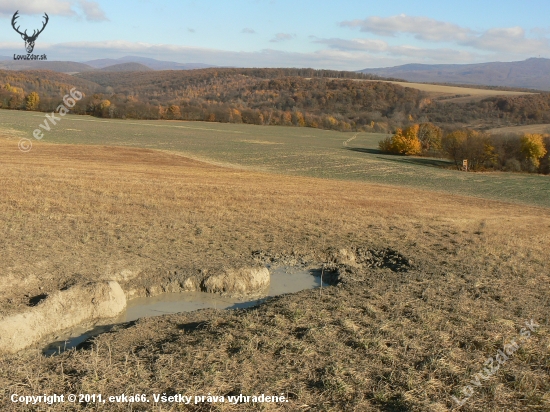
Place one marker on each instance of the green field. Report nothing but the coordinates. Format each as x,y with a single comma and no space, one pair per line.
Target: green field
291,150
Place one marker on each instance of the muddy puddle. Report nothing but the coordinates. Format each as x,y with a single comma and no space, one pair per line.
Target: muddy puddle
283,280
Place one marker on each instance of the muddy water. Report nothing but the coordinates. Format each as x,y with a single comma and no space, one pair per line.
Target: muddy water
283,280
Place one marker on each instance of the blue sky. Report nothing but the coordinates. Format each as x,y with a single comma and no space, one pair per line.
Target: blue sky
347,34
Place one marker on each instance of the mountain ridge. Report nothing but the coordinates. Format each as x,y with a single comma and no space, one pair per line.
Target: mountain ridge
533,73
127,63
126,67
146,61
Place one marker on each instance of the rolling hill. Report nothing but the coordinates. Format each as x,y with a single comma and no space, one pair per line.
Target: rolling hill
301,97
127,67
532,73
151,63
128,63
55,66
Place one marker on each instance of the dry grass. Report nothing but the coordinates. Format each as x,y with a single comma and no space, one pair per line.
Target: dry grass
383,340
299,151
437,90
530,128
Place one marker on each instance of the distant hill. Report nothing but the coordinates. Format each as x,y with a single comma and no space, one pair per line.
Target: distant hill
102,63
128,63
60,67
127,67
532,73
46,83
151,63
302,97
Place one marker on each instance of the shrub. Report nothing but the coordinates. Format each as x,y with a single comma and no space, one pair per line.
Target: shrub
472,145
512,165
532,147
430,137
385,145
32,101
453,145
402,142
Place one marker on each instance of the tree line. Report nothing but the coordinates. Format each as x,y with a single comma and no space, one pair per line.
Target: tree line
294,97
483,151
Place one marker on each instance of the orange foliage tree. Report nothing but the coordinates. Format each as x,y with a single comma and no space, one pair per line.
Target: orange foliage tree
404,142
532,147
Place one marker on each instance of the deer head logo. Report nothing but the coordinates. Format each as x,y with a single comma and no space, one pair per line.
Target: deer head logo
29,40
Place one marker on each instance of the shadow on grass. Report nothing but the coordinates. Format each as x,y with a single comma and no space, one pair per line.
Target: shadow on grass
362,150
84,341
420,161
191,327
429,162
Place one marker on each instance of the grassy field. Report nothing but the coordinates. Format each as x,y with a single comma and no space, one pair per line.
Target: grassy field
531,128
287,150
382,340
456,94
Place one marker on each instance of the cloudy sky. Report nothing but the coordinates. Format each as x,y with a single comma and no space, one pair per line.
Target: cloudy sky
345,34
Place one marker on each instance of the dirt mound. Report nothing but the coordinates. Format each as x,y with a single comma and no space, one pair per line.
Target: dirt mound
384,258
345,265
238,281
369,258
61,310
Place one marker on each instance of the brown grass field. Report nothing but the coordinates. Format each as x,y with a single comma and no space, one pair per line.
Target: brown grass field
381,339
530,128
455,94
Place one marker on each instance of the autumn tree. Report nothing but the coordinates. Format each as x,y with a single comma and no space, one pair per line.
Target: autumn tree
471,145
532,147
403,142
173,112
32,101
479,150
13,89
298,119
236,116
453,146
287,118
430,137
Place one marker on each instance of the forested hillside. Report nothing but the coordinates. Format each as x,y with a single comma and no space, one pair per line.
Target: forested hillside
259,96
527,109
299,97
15,87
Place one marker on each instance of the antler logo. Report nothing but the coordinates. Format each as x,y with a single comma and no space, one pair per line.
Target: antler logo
29,40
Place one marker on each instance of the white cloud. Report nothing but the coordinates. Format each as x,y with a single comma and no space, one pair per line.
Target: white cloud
55,7
355,44
540,31
509,40
430,55
90,9
435,55
322,59
423,28
279,37
248,31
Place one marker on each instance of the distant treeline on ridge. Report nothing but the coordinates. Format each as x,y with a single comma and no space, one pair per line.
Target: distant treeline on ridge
294,97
